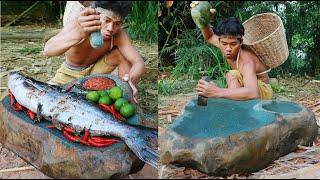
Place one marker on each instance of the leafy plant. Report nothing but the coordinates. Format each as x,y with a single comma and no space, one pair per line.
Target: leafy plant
29,50
142,22
182,46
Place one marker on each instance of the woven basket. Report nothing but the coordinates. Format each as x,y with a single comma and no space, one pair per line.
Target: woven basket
265,36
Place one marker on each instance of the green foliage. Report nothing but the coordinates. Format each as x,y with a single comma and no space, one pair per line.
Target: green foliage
181,44
185,49
29,50
301,22
172,86
193,58
197,58
142,22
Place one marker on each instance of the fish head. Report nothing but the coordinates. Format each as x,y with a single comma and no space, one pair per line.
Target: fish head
15,79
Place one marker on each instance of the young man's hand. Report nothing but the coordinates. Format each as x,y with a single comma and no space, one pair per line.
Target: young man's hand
207,89
88,22
133,87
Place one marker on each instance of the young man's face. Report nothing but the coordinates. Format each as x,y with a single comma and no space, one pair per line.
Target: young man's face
229,45
110,24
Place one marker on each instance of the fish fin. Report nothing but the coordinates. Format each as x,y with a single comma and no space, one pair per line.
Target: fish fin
39,110
56,123
33,83
141,145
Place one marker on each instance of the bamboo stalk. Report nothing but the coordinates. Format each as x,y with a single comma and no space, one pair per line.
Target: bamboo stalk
22,14
307,172
169,118
167,112
17,169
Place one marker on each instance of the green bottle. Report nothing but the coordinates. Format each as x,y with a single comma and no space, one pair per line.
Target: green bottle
96,38
202,100
201,14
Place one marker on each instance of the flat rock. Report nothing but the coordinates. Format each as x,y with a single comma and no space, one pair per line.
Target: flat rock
236,137
50,152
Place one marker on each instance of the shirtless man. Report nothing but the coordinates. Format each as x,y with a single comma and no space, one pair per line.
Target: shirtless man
82,59
248,78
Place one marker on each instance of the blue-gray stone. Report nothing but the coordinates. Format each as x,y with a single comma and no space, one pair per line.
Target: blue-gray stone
236,137
51,153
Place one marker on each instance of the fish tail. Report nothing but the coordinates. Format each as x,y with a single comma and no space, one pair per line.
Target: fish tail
142,146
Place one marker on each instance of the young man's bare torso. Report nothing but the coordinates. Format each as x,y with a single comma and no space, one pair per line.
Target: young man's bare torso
248,78
117,50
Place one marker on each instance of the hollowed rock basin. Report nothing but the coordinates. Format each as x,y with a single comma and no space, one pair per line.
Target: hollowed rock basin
236,137
50,152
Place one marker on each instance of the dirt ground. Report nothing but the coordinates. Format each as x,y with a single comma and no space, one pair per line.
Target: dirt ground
303,163
25,55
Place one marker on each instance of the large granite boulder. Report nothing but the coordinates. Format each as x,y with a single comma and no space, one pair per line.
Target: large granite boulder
50,152
236,137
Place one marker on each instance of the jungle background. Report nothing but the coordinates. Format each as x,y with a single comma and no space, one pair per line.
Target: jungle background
184,57
27,25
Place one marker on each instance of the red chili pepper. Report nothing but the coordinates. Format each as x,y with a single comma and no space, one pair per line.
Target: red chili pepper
99,144
73,138
111,109
18,107
69,129
116,113
86,136
51,126
104,107
12,99
70,87
14,104
31,114
70,137
103,139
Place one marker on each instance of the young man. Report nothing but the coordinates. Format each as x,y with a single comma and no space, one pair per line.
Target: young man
82,59
248,78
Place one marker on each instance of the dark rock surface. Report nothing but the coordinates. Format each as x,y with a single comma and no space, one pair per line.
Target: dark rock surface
50,152
236,137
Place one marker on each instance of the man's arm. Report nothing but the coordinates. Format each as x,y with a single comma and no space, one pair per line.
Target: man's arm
63,41
199,13
249,91
73,33
209,36
131,54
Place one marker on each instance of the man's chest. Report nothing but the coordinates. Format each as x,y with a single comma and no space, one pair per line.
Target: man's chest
86,55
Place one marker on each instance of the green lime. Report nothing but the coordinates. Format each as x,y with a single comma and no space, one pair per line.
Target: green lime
102,93
115,92
93,96
127,110
119,102
105,100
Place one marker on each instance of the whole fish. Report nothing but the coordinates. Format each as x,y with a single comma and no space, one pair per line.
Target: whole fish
55,104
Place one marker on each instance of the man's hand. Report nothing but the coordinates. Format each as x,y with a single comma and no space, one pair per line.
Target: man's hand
88,22
207,89
133,87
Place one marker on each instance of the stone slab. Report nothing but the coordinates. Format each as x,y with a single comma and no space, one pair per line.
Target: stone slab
236,137
50,152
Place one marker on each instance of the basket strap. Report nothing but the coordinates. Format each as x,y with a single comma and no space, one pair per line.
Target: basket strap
264,72
258,73
238,58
